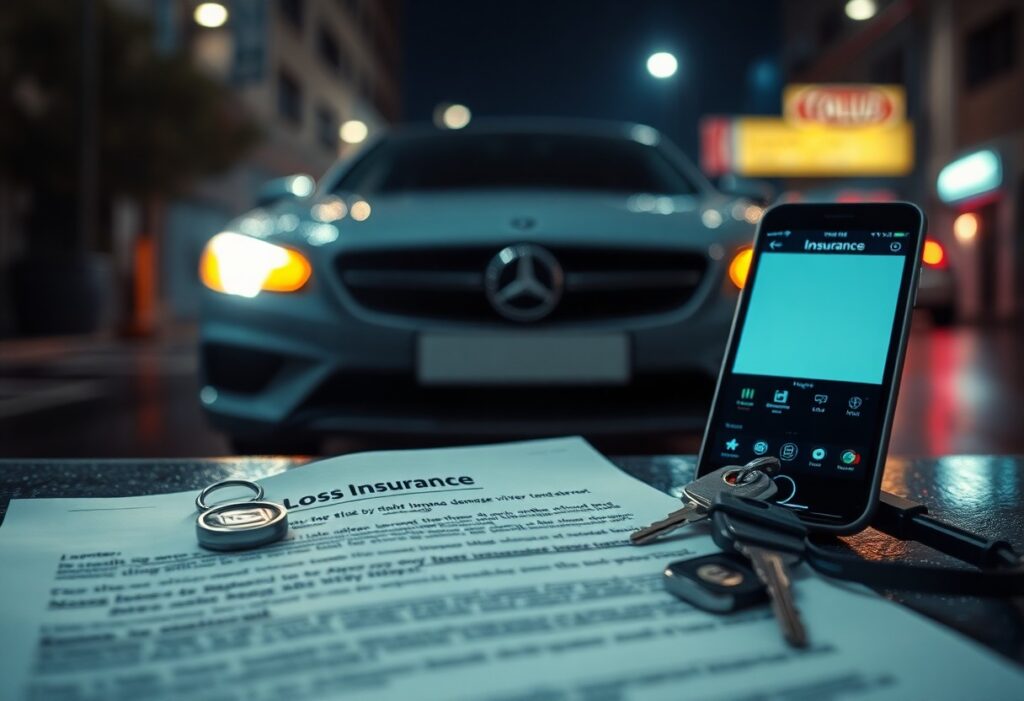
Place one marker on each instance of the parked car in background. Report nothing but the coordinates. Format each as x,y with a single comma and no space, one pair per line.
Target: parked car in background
516,278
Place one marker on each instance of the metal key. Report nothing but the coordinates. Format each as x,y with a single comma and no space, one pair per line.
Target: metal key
772,568
751,480
772,538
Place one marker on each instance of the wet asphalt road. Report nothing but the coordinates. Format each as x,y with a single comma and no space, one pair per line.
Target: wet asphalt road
962,392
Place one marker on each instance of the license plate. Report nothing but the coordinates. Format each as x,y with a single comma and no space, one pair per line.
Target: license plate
523,358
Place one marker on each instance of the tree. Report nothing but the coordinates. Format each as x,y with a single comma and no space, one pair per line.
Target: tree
161,122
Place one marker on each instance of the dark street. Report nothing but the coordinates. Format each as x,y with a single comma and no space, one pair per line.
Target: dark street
82,398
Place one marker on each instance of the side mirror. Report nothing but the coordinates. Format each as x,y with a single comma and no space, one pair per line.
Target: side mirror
760,191
290,187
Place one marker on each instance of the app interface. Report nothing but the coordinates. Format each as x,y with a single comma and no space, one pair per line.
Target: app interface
807,378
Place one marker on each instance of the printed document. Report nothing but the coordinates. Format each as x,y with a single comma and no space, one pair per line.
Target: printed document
497,573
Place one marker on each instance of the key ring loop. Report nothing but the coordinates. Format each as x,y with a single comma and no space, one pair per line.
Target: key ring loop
254,486
757,465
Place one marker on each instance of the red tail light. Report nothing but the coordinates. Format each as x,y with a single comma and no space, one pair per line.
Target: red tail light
934,255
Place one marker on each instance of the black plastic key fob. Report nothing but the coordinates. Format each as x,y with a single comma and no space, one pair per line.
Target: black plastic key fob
717,583
771,526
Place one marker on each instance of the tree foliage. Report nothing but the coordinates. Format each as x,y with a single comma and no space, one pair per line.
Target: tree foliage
161,121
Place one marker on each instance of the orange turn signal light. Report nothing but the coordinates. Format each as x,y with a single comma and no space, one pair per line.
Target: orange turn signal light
739,267
933,253
241,265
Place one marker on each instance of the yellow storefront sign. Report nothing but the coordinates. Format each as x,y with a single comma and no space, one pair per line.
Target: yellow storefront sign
772,147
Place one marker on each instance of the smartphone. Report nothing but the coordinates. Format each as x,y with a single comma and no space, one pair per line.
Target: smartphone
813,364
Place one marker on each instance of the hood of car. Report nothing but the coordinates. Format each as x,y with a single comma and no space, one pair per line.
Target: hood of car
500,218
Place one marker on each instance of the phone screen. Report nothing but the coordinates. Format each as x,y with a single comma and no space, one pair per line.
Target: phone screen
809,376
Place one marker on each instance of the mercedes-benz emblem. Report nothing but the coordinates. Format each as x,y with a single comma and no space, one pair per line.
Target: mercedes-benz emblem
524,282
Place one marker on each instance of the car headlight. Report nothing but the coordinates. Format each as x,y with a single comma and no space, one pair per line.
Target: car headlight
739,267
241,265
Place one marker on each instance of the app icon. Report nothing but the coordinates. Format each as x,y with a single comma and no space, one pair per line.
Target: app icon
781,396
820,398
789,451
895,246
855,402
818,454
732,444
747,393
850,457
761,447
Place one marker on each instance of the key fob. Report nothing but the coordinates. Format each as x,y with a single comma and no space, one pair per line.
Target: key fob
717,583
736,519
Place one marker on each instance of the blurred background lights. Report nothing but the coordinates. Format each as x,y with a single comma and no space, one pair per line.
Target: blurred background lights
302,185
712,218
360,210
965,227
331,209
861,10
971,175
455,116
662,65
933,253
643,134
210,15
354,131
208,395
752,213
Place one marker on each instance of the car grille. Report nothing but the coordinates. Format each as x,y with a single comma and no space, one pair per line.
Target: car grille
600,283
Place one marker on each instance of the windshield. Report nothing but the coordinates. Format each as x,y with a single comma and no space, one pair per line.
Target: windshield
464,161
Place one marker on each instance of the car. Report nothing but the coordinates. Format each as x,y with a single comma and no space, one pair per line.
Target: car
514,278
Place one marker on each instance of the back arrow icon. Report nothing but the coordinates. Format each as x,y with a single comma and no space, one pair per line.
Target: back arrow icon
774,244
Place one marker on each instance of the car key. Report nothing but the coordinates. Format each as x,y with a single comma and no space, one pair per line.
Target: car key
772,538
751,480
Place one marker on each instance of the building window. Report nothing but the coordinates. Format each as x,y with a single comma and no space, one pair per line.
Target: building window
327,127
289,98
991,49
327,48
293,11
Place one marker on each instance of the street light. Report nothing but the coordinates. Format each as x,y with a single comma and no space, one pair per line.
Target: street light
455,116
861,10
354,131
662,65
210,15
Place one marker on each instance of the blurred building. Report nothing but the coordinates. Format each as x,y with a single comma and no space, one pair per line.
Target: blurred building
300,69
962,65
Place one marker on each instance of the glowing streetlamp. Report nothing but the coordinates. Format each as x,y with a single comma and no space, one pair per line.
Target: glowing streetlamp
354,131
210,15
455,116
662,65
861,10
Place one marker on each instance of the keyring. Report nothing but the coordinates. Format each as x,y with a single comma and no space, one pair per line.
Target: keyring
254,486
238,525
756,465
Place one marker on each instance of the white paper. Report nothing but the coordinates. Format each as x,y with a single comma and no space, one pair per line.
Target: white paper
514,580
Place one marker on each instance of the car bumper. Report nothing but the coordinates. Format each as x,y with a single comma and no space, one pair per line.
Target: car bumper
309,364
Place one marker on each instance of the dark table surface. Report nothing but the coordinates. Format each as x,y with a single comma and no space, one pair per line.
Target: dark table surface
984,494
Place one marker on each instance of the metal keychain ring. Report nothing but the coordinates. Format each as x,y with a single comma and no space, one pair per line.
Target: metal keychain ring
738,475
254,486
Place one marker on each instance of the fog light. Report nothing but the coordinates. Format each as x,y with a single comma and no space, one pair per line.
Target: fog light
241,265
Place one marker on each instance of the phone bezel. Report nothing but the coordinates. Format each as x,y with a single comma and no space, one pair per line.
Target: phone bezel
887,215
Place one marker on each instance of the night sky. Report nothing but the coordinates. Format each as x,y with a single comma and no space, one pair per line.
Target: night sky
588,59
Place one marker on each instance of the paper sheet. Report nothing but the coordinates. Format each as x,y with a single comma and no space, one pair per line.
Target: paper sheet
507,577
